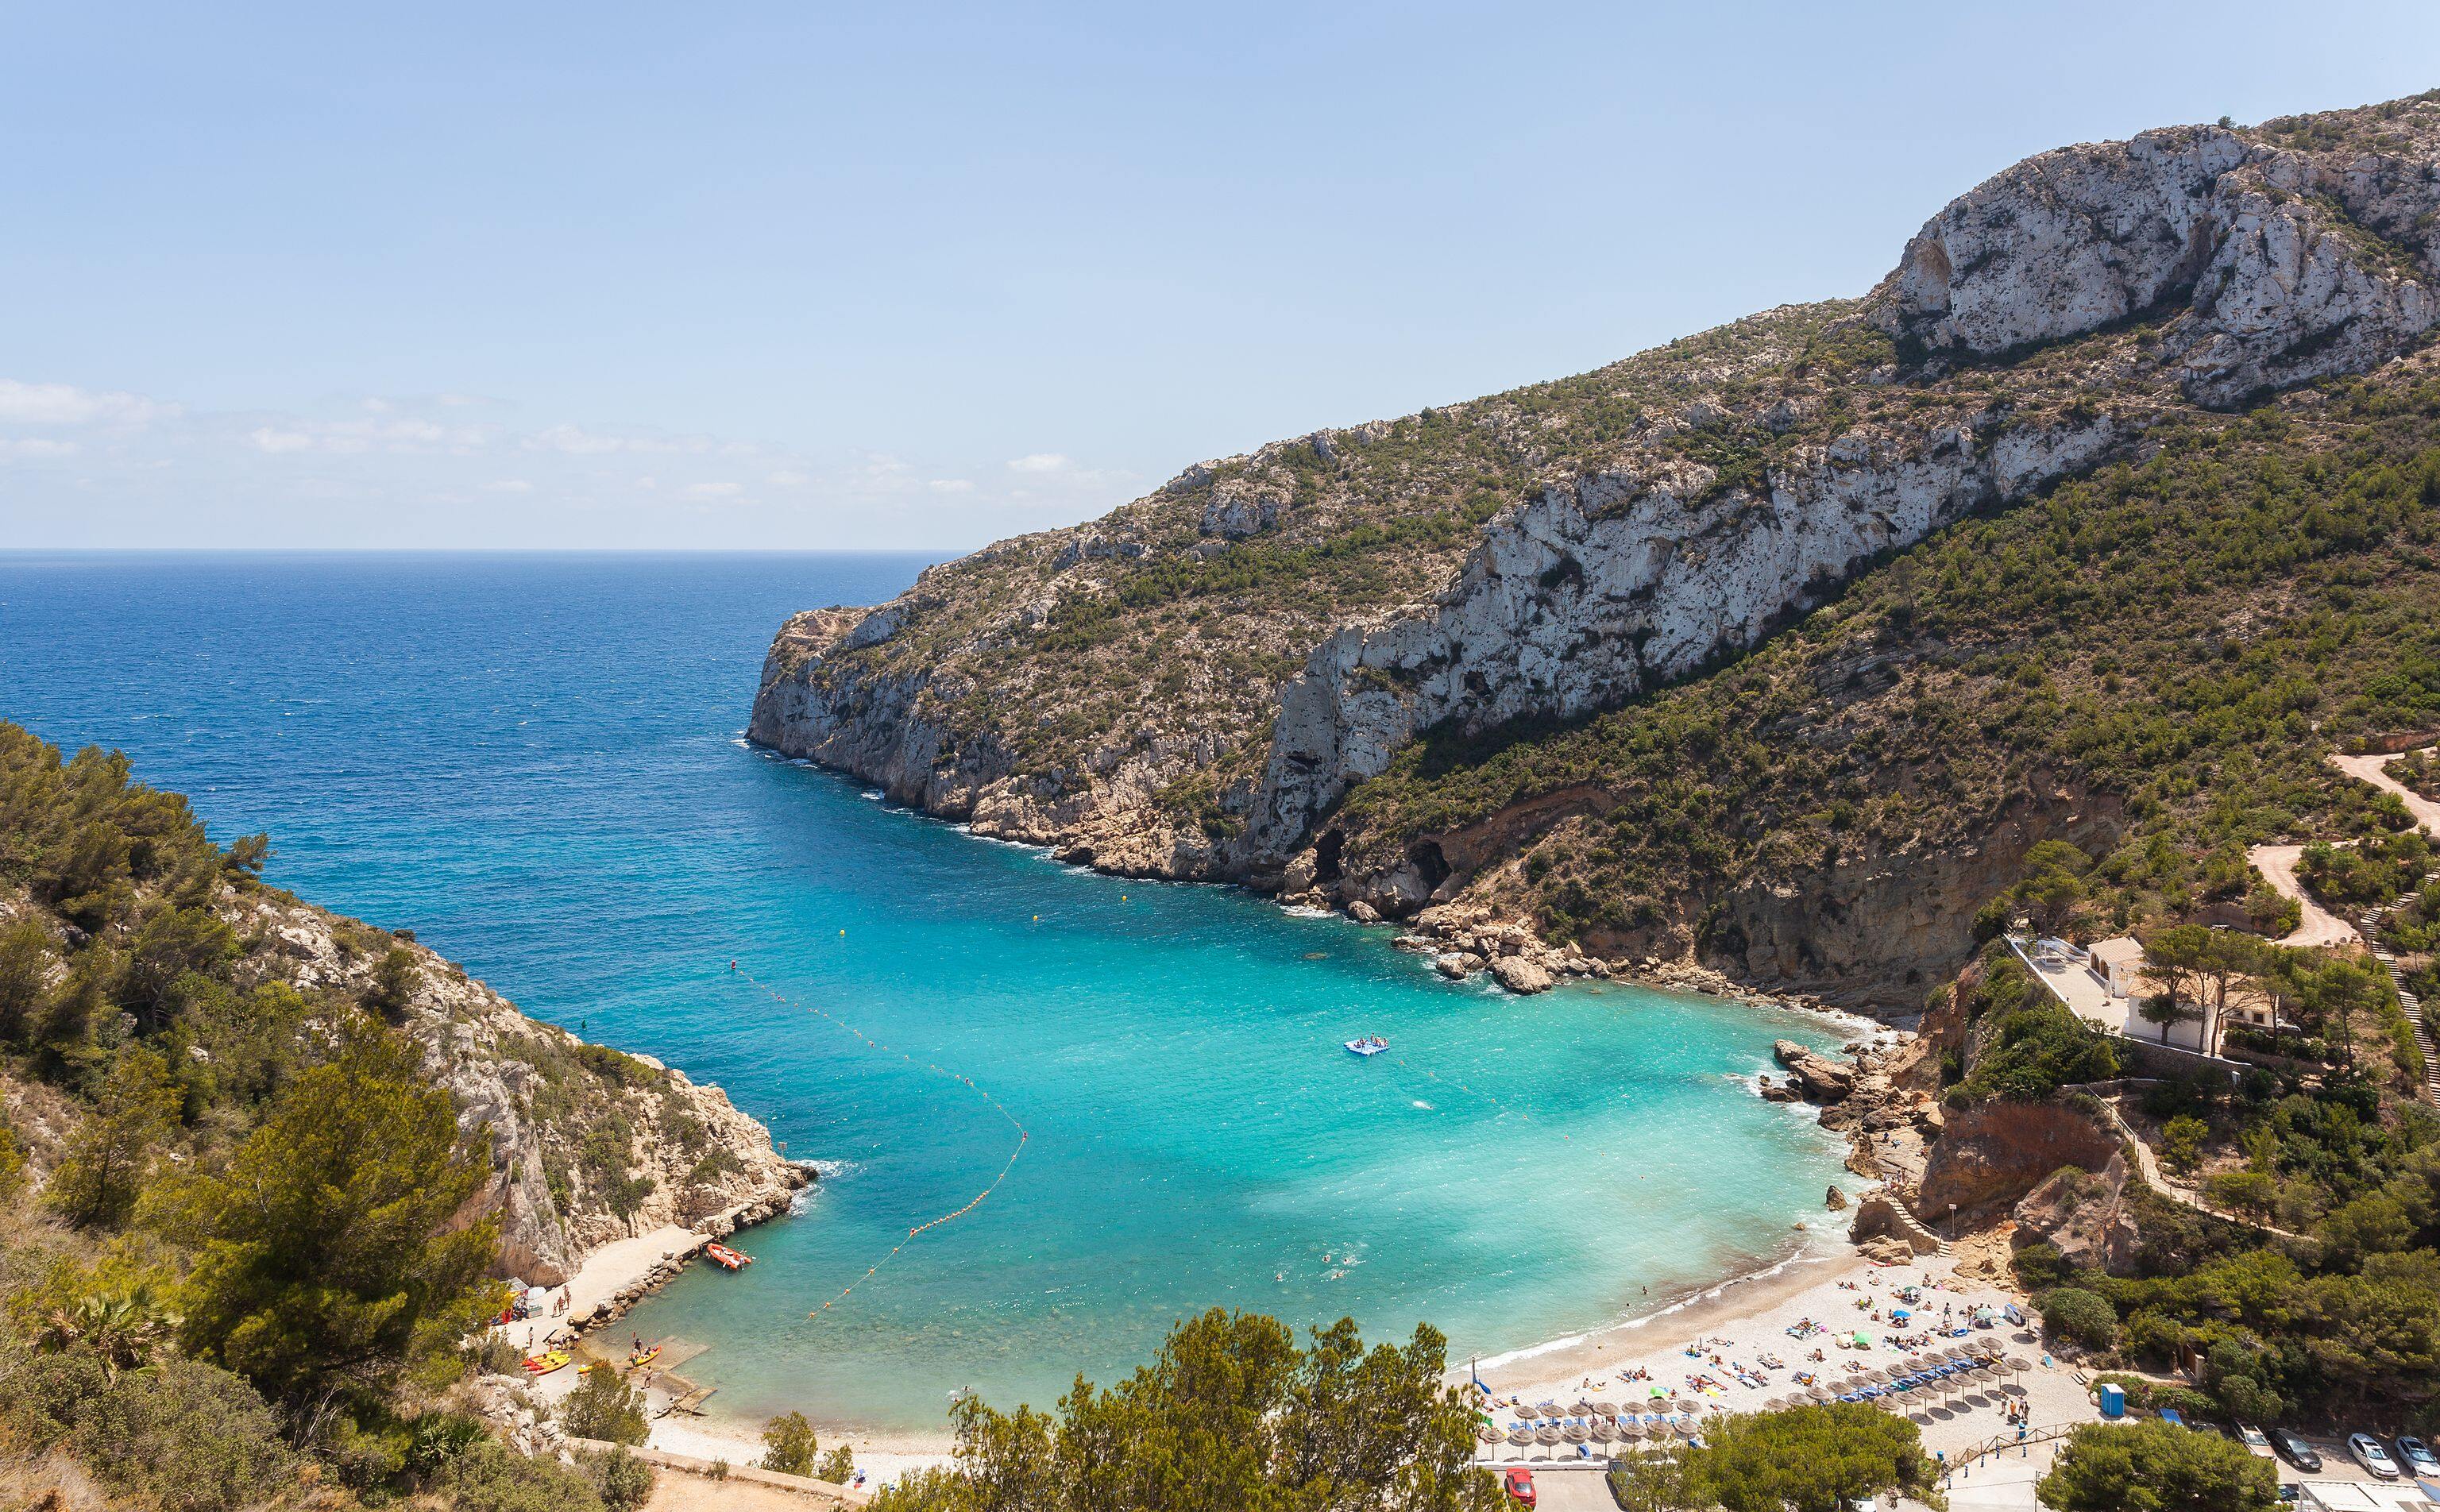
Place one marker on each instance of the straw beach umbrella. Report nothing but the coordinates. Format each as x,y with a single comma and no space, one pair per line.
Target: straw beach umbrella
1605,1409
1546,1435
1520,1436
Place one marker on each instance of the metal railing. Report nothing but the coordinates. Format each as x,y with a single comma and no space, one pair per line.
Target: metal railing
1999,1443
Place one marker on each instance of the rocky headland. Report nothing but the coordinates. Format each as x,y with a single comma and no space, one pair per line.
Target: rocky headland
1312,670
589,1144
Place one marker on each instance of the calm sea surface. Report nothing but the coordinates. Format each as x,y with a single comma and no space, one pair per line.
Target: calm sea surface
535,762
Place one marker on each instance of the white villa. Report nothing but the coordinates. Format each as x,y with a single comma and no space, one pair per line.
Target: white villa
2119,962
2104,984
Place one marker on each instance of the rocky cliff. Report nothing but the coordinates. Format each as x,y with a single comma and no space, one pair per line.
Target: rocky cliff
1194,684
588,1144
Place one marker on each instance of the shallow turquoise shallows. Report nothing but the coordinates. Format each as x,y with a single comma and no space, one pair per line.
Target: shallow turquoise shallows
536,763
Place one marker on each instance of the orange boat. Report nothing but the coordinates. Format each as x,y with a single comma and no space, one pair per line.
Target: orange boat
727,1258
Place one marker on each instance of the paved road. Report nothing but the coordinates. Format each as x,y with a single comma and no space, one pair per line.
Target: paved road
1572,1490
2372,769
2319,928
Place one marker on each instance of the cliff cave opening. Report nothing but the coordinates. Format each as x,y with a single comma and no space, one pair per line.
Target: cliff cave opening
1326,847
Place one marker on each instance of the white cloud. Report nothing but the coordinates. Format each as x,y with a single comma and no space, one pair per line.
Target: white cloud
577,441
23,403
461,470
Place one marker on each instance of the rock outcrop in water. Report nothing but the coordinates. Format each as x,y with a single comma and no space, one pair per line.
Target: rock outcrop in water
1192,686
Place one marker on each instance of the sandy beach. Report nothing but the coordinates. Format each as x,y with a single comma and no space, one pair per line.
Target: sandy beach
1825,1297
1739,1321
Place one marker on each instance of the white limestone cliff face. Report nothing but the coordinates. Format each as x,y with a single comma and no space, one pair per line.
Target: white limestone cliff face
2259,261
1593,593
2276,266
2041,322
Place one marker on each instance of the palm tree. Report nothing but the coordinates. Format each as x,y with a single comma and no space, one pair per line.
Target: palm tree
121,1327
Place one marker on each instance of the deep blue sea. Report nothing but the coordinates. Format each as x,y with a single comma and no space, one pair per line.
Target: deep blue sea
536,763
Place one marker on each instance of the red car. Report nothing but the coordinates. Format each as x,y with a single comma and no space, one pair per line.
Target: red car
1520,1486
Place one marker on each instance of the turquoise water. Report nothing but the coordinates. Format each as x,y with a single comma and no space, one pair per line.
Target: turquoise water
536,763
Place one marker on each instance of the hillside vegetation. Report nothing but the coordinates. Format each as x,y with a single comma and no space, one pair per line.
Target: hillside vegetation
1739,648
2154,659
259,1165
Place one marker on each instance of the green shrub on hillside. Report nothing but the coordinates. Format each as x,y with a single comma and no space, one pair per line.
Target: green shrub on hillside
789,1445
176,1434
2377,870
1230,1414
2081,1316
2151,1466
603,1407
1807,1459
2033,1045
2176,640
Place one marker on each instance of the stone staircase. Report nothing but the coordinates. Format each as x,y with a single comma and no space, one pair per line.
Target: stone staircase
2371,926
1916,1233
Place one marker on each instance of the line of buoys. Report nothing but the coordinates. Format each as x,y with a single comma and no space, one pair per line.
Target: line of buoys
968,1082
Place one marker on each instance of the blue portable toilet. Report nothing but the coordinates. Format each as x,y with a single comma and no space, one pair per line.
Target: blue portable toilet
2113,1400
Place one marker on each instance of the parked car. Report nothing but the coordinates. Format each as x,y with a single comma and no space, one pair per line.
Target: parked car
2368,1453
1520,1486
2416,1456
2254,1439
2295,1451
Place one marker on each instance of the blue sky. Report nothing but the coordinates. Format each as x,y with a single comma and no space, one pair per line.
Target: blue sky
816,275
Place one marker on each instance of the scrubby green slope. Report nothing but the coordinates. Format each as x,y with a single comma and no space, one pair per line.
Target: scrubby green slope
2160,653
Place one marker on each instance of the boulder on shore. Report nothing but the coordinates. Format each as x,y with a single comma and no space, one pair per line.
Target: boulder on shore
1521,975
1820,1077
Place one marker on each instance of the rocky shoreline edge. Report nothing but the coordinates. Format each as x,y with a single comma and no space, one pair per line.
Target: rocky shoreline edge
667,1267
